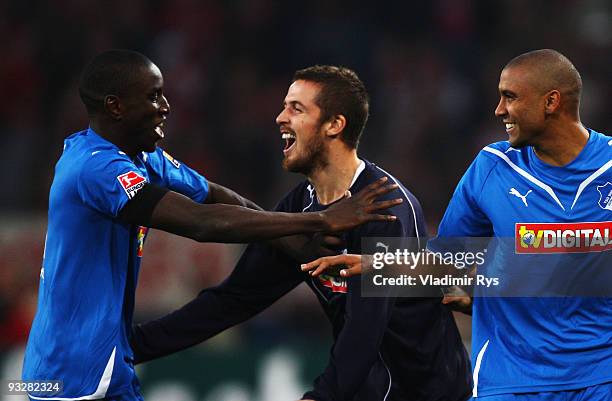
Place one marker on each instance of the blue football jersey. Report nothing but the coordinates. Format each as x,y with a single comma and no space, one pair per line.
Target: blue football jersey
90,266
546,218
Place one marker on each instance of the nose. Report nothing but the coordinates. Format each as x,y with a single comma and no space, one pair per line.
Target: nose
282,117
164,108
500,110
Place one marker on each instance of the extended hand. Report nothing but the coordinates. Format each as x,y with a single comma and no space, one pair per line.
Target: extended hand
350,265
356,210
458,300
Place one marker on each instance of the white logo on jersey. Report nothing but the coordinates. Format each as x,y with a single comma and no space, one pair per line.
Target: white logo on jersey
605,196
381,245
512,149
516,193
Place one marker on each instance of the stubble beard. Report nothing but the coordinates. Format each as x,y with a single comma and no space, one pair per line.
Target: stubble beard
315,158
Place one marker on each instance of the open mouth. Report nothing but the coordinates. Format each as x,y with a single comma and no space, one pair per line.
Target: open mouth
289,138
509,127
159,130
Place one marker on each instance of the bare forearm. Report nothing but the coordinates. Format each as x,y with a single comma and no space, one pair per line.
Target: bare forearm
229,223
220,194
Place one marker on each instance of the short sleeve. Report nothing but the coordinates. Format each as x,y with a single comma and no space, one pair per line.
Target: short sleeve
166,171
107,184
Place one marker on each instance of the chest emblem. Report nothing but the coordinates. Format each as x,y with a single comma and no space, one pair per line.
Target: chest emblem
605,196
336,284
513,191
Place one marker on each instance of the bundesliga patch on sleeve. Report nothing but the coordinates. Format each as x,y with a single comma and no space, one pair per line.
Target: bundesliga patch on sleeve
131,182
171,159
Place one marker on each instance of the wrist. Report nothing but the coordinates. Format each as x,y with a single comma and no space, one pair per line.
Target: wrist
323,221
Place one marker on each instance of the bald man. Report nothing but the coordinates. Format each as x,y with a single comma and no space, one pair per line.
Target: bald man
546,332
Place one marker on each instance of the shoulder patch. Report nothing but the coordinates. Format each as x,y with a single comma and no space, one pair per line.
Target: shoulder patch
131,182
171,159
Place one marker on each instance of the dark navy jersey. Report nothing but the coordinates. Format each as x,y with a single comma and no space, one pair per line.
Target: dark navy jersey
384,348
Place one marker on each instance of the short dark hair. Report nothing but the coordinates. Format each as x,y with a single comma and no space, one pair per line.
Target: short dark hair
109,73
552,70
342,92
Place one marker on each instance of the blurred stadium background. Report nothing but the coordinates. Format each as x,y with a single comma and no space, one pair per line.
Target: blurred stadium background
431,68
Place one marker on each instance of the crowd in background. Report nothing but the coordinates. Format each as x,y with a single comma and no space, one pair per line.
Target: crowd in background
431,68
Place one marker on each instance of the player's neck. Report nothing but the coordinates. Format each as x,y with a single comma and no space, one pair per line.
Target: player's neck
562,143
332,181
110,134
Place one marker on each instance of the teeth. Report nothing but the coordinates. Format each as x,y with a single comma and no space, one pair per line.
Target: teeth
509,125
288,135
159,131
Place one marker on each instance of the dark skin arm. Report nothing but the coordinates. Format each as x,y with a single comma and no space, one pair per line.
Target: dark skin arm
177,214
220,194
300,247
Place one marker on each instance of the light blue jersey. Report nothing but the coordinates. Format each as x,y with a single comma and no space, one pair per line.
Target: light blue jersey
538,344
90,266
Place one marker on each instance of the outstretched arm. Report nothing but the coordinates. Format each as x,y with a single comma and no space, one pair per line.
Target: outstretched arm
350,265
219,194
261,276
156,207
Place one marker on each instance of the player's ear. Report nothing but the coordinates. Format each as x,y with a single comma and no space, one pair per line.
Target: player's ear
553,100
335,126
112,105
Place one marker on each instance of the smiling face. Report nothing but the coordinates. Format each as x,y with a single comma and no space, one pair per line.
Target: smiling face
144,111
522,106
301,129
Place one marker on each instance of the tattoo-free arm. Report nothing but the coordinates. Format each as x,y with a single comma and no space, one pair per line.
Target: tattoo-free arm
157,207
220,194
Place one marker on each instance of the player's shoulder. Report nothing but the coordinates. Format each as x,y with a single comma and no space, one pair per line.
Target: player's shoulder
499,150
373,172
495,153
297,199
86,152
94,157
159,156
602,141
409,212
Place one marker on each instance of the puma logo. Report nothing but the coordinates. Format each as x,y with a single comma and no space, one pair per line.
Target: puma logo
516,193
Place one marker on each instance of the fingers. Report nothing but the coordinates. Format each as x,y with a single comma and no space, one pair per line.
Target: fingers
322,268
458,303
382,191
449,299
318,266
332,241
351,271
379,217
367,191
383,205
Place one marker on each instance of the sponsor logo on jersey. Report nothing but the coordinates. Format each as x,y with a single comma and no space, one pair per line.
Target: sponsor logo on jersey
131,182
336,284
171,159
605,196
563,237
140,237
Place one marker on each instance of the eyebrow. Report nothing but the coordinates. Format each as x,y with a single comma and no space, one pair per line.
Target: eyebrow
294,103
